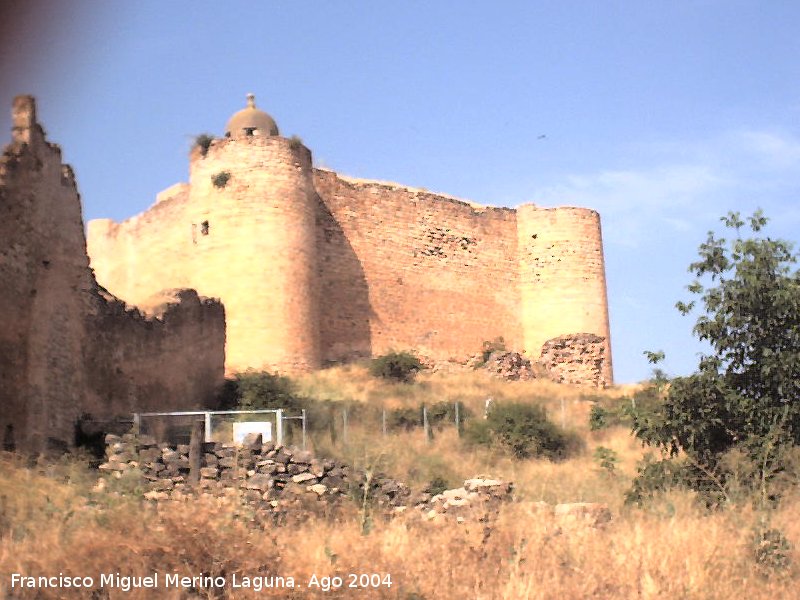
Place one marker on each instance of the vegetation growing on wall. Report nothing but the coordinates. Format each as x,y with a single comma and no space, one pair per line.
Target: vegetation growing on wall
203,141
220,180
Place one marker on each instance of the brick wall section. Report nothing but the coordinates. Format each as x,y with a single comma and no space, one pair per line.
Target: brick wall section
562,276
432,273
66,347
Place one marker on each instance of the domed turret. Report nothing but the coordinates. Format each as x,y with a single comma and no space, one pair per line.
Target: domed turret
251,121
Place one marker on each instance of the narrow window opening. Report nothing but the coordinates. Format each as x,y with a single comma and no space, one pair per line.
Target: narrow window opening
204,228
249,131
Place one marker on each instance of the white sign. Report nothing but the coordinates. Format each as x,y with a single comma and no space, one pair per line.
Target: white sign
243,428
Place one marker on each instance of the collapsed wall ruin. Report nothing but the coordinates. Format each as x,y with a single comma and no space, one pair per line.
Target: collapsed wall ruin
69,350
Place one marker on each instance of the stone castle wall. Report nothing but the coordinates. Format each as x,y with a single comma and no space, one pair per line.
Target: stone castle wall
406,268
314,267
66,347
562,277
250,242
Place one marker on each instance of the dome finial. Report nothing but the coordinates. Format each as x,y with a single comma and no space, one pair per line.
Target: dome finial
251,121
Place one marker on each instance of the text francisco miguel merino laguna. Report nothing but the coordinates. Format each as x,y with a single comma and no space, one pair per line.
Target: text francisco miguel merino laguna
126,583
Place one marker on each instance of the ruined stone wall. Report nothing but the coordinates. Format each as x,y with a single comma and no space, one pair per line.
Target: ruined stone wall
44,286
407,269
135,259
66,347
170,360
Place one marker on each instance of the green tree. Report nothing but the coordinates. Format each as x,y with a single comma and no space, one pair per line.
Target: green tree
745,394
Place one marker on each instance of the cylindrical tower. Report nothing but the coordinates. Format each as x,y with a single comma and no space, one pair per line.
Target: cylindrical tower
562,277
253,228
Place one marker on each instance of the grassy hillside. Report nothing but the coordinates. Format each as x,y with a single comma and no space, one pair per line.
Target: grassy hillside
53,519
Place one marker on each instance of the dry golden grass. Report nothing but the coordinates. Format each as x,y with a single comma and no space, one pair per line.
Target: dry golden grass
352,382
52,521
679,552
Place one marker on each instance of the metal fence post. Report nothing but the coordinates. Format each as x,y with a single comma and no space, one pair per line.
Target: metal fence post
207,436
383,422
344,425
458,419
137,423
426,425
279,426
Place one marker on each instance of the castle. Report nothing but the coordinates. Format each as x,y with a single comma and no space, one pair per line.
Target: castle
314,268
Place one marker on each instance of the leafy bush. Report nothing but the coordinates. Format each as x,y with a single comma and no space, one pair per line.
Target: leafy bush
490,347
742,394
606,458
220,180
598,418
255,390
524,431
396,366
439,414
406,418
203,141
295,142
772,551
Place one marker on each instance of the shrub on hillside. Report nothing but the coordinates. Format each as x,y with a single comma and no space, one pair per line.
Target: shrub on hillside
255,390
598,418
524,431
439,414
490,347
396,366
406,418
444,412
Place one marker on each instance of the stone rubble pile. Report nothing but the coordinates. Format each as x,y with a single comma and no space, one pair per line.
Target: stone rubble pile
270,477
510,365
577,359
279,480
480,496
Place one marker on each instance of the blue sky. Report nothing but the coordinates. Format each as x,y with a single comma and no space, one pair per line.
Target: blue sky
662,116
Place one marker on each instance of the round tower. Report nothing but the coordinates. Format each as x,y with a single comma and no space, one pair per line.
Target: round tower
253,230
562,277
